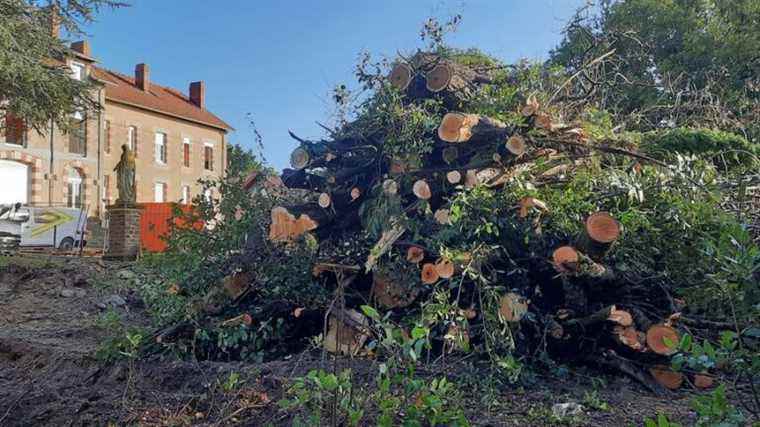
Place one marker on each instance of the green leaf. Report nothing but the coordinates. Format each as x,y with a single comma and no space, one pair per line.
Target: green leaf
370,312
419,332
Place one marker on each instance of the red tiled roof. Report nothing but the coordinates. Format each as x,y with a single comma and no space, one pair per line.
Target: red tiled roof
121,88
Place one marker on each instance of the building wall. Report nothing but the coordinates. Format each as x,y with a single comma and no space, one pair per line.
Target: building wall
48,168
148,170
48,171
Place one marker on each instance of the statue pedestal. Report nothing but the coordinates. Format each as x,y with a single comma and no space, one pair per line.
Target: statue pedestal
123,233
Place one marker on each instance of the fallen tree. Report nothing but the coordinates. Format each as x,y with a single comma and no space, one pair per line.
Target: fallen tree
508,231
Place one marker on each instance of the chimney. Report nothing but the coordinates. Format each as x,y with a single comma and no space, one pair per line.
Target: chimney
142,77
82,47
198,94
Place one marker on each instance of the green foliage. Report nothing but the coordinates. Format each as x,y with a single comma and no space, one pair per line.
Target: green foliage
407,127
661,421
727,150
121,344
688,63
715,410
232,382
592,400
398,390
34,80
324,397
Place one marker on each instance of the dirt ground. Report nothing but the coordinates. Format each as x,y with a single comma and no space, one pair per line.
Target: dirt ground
50,309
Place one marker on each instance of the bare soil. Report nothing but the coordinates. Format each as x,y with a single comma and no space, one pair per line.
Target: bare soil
49,375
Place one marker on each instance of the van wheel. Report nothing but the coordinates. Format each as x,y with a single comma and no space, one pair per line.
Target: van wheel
66,245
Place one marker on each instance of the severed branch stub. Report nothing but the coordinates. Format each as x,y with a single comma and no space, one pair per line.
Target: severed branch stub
460,127
512,307
662,339
601,231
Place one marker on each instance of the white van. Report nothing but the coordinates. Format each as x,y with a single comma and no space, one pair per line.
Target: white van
62,228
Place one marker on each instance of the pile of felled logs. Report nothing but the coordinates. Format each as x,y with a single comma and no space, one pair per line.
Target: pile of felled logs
589,314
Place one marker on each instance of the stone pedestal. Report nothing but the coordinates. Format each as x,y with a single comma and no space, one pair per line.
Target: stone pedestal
123,233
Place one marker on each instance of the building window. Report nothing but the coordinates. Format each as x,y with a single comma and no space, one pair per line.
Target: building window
160,148
75,183
78,134
77,71
132,139
108,137
159,192
186,194
186,152
208,157
15,129
106,189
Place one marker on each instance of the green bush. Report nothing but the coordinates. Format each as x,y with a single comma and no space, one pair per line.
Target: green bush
726,150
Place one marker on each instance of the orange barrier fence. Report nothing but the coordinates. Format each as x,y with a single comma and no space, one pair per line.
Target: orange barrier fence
154,224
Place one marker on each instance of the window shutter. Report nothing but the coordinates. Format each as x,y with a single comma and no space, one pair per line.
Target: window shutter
108,136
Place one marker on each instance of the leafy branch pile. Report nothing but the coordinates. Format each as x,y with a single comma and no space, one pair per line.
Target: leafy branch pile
466,205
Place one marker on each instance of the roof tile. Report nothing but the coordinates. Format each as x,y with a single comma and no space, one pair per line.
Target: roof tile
122,88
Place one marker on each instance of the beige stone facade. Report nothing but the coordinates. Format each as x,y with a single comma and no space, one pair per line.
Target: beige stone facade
176,140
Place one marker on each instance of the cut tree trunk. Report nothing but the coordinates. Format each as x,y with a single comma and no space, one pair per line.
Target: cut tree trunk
566,259
454,177
400,76
415,254
513,307
601,231
442,216
429,274
516,145
300,179
460,127
421,189
657,336
445,268
347,332
666,377
391,294
288,223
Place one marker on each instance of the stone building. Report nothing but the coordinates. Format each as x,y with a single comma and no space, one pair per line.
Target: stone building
176,140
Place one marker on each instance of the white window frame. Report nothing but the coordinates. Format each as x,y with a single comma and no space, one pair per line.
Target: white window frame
78,70
132,138
156,186
185,194
160,148
75,184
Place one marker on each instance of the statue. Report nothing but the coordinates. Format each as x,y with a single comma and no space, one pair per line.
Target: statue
125,174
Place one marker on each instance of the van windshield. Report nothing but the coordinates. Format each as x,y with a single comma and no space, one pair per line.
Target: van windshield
21,215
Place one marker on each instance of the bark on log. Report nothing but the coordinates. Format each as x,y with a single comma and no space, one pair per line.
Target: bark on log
347,332
391,294
300,179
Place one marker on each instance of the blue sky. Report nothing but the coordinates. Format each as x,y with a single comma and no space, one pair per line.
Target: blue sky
279,60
